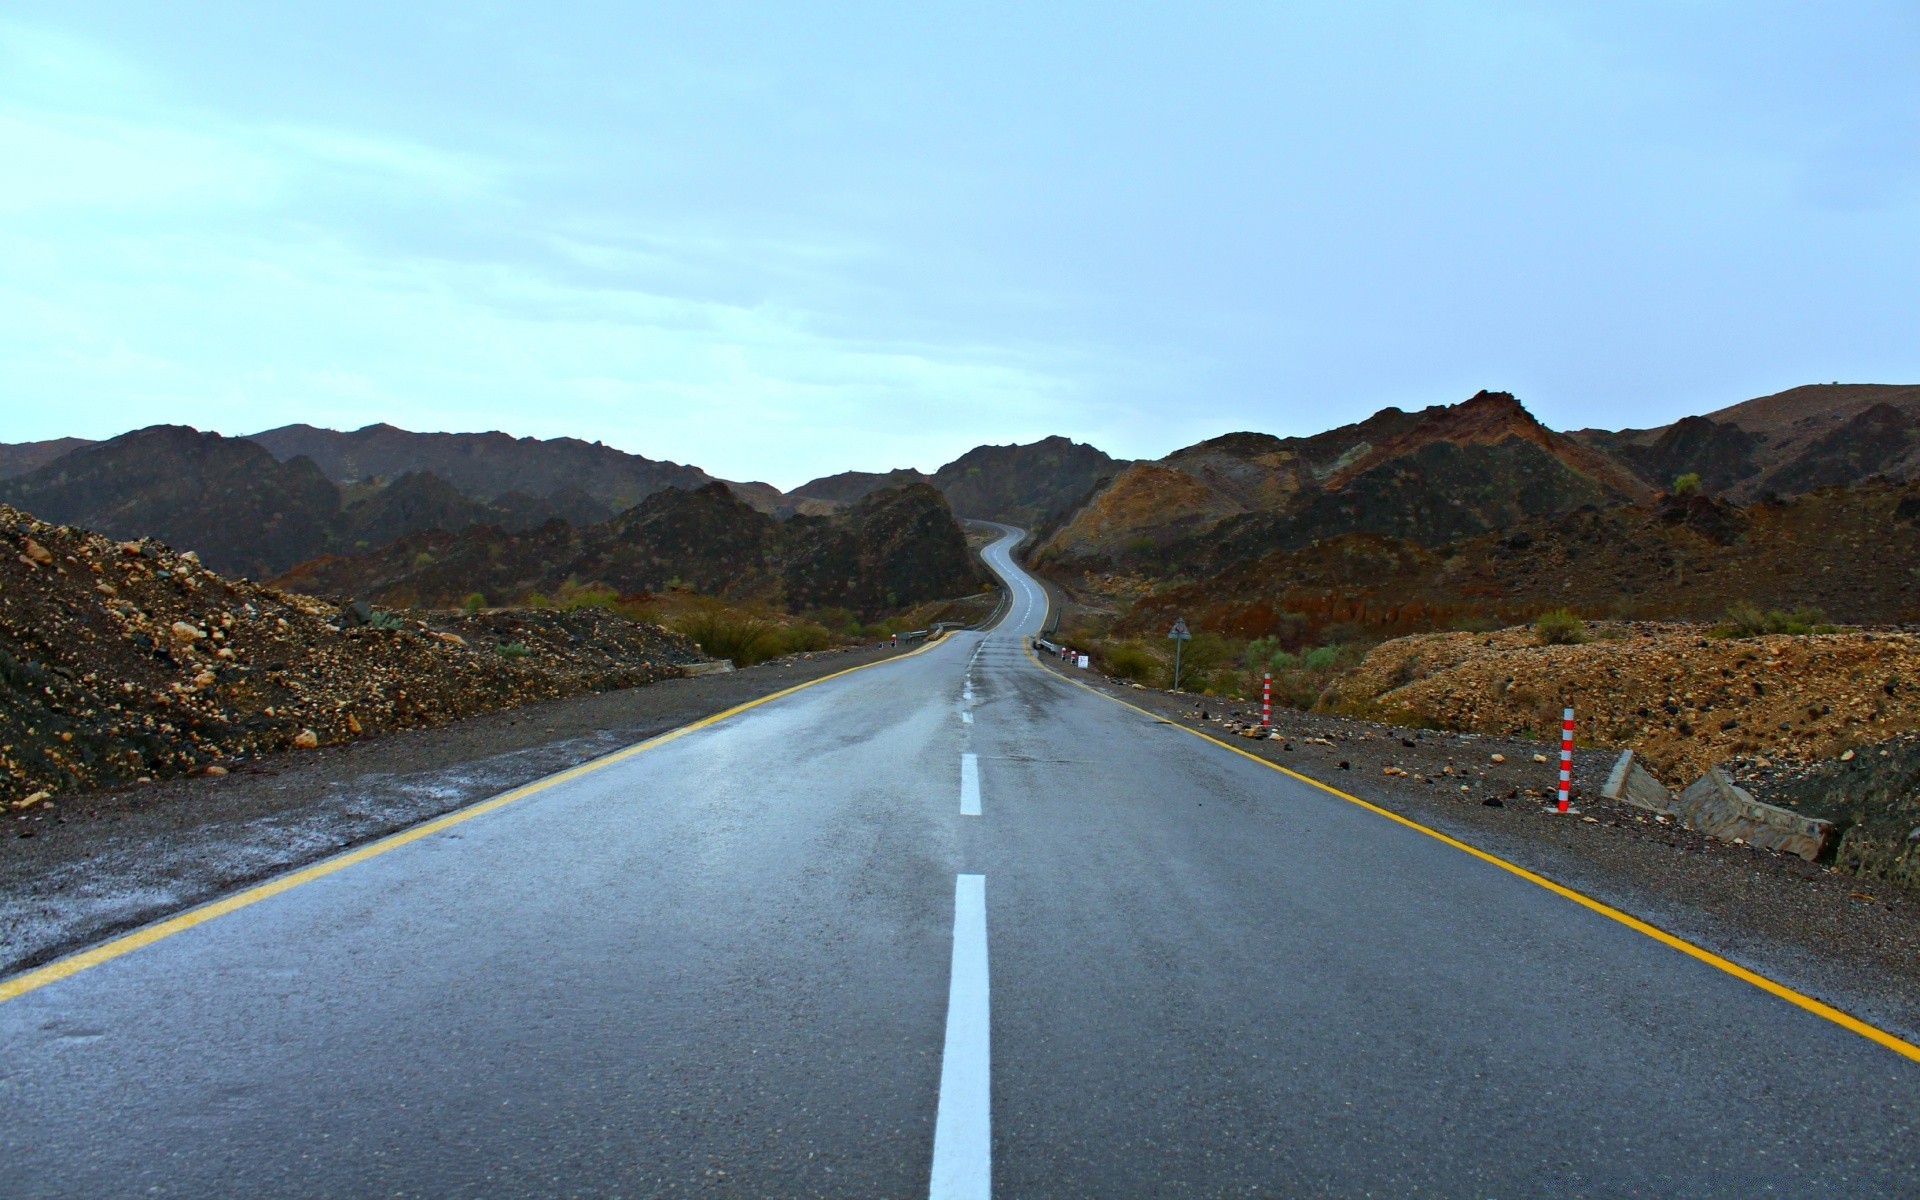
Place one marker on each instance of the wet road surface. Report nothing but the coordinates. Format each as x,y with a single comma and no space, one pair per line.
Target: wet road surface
945,925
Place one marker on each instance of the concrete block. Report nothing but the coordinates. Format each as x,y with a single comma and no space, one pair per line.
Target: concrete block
1713,805
713,666
1634,784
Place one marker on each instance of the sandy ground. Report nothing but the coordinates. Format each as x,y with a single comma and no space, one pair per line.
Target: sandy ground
1852,942
98,863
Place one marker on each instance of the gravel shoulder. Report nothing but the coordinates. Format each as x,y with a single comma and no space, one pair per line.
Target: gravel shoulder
94,864
1851,942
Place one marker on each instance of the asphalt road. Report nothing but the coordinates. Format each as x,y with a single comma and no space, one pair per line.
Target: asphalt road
774,957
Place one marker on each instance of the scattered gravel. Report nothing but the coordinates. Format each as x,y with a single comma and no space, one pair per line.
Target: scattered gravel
1683,700
122,661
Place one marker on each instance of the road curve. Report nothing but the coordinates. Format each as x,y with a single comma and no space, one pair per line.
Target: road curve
775,957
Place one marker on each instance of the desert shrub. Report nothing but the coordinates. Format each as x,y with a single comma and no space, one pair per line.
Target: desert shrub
1686,485
473,603
573,596
722,632
1131,661
1475,623
1745,620
537,600
1559,628
513,649
839,620
381,619
807,635
1320,658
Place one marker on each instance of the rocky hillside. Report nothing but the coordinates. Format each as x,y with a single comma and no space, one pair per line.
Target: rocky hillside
848,486
226,498
1852,552
1023,485
1794,441
891,549
17,458
245,512
1430,478
484,466
124,660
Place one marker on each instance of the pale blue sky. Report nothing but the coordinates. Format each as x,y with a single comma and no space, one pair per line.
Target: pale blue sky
779,241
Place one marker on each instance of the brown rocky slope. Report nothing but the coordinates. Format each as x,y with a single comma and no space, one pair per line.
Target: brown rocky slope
1853,552
122,661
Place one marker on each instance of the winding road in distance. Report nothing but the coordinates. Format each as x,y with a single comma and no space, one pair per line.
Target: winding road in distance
946,925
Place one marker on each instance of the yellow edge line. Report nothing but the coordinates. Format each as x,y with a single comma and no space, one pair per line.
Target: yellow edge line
146,935
1892,1042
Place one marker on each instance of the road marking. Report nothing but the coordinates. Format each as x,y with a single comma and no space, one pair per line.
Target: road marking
969,785
963,1129
1893,1042
146,935
966,718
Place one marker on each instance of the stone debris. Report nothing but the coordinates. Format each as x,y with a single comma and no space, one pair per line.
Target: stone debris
123,662
1685,701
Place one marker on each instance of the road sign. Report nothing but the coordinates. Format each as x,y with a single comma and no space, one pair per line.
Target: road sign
1179,630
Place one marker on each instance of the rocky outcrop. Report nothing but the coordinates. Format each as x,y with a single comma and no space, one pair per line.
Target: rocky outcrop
242,510
848,486
1787,443
891,549
1023,485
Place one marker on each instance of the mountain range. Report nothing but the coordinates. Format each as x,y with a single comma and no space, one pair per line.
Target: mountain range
381,509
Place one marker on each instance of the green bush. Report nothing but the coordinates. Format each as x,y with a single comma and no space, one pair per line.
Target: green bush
746,637
1131,661
1559,628
1321,658
1686,485
473,603
1745,620
573,596
382,619
839,620
513,649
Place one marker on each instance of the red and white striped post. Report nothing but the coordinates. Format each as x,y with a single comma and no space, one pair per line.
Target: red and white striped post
1566,756
1266,700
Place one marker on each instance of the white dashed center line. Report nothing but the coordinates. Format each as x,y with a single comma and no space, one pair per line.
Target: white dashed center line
963,1131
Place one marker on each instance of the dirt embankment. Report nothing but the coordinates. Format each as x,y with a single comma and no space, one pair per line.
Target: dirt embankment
122,661
1683,700
1824,724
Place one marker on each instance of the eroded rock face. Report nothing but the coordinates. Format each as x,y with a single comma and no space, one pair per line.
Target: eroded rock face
1023,485
891,549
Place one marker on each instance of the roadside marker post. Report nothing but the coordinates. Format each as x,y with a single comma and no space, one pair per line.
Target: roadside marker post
1566,756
